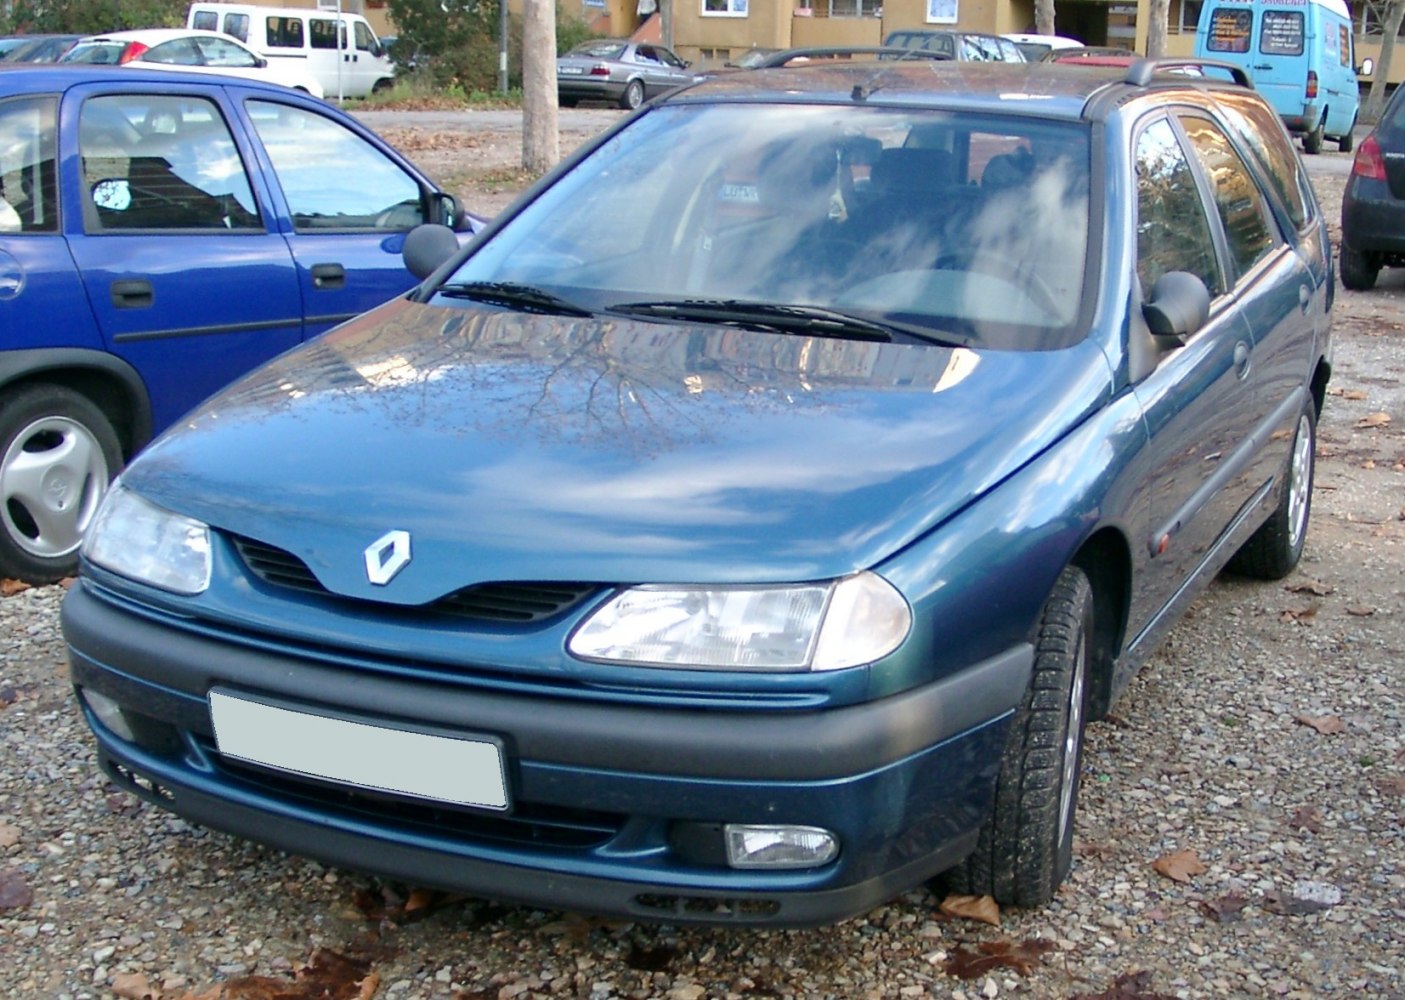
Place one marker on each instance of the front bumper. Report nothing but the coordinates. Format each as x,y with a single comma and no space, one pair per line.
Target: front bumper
600,791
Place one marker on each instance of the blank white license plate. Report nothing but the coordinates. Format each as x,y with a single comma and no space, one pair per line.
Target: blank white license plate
446,769
570,71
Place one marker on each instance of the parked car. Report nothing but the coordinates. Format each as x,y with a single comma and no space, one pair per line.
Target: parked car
11,42
821,54
39,48
619,71
745,526
187,49
1035,47
1373,203
161,233
966,46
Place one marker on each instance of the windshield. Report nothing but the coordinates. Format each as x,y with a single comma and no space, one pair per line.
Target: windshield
966,224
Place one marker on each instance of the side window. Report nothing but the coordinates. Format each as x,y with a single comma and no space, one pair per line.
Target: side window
1282,33
179,52
1173,231
332,178
152,162
237,26
322,32
1261,130
364,39
1009,51
284,32
1229,30
218,52
205,20
1241,205
28,175
645,54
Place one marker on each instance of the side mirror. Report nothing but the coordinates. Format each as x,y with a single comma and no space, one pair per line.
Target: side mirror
1367,67
261,62
428,246
1179,306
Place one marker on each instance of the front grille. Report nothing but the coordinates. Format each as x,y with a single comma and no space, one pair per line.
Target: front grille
518,603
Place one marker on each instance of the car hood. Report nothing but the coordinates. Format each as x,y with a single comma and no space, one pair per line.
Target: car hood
533,448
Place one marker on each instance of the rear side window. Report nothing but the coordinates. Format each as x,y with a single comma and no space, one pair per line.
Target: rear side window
28,176
1259,128
237,26
1247,224
1282,33
205,20
284,32
323,33
1229,30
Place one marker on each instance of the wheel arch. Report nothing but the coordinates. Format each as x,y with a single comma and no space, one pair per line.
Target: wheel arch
110,383
1106,560
1320,378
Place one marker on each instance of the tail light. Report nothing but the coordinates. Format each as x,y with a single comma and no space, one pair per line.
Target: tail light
600,69
1368,162
133,50
1312,85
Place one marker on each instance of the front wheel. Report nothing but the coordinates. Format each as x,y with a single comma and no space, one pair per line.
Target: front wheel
1275,548
1359,269
58,452
633,95
1025,848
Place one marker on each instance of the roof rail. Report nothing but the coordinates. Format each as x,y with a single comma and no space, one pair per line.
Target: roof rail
1139,74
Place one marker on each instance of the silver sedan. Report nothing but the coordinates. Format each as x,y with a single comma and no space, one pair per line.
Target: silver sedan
618,70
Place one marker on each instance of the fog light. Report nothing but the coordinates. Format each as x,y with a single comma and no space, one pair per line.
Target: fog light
109,713
751,846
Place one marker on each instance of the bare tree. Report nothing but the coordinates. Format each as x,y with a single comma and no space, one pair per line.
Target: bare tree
541,140
1375,99
1158,17
1044,16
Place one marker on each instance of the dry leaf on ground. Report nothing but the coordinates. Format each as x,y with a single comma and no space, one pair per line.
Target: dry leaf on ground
1306,818
1180,866
133,986
1373,420
1327,725
982,908
1129,986
15,892
1316,587
992,955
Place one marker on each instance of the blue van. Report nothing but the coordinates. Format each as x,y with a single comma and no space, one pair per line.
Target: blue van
1299,54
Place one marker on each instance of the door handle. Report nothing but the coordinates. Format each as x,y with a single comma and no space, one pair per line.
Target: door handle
134,294
1241,360
328,276
1304,297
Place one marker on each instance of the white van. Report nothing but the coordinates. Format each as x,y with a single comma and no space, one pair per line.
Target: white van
350,62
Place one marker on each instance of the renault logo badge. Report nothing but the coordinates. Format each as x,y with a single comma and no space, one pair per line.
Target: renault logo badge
387,556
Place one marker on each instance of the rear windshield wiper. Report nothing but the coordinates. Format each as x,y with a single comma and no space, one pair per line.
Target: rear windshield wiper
808,320
527,298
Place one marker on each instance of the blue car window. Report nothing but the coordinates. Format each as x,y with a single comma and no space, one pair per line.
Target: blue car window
1259,128
1241,204
333,178
28,177
1173,231
160,162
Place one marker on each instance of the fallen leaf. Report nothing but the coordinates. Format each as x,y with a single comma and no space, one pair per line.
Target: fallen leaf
1327,725
1306,818
982,908
1392,786
9,588
328,975
1299,614
9,835
133,986
1316,587
1179,866
992,955
1369,464
1373,420
15,892
1361,612
1226,909
1129,986
1354,394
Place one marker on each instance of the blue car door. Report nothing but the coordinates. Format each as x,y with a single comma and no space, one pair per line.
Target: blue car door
171,230
349,203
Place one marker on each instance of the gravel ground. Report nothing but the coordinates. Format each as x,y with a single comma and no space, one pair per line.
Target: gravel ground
1240,834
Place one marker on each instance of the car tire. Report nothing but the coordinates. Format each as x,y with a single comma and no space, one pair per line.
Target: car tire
58,452
1347,140
1359,269
633,95
1025,848
1312,141
566,102
1274,549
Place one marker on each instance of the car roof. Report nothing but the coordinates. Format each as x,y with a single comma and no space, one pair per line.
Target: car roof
151,36
47,78
1042,89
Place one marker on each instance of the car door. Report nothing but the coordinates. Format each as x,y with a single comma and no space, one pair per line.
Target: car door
1193,401
651,70
349,203
676,70
169,224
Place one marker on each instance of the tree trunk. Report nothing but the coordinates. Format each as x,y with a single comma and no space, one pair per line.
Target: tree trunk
1375,98
541,141
666,22
1158,16
1044,17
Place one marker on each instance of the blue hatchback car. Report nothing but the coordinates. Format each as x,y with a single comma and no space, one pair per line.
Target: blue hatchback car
160,234
746,526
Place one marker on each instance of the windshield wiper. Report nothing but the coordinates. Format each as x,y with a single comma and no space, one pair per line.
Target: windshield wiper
527,298
808,320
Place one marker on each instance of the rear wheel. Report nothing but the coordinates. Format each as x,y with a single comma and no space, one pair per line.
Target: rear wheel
633,95
1347,140
1359,269
1025,848
1312,141
566,102
1273,550
57,454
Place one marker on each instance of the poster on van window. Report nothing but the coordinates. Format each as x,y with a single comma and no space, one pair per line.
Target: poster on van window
1282,33
1230,29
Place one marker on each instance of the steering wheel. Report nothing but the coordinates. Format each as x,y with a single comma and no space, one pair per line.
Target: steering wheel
988,262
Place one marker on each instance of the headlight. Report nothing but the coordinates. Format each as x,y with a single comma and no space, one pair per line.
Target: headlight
821,626
137,539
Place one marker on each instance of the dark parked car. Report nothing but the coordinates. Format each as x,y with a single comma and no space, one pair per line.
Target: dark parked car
746,525
965,46
1373,203
39,49
161,233
619,71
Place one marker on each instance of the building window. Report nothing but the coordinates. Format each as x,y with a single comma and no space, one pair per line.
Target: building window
1189,18
942,11
724,8
855,8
